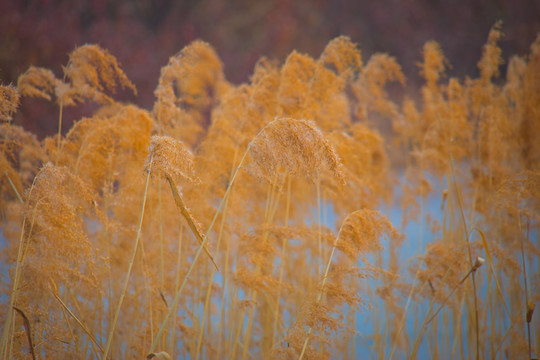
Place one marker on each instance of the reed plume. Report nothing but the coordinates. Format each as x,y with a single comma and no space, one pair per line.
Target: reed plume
295,146
9,101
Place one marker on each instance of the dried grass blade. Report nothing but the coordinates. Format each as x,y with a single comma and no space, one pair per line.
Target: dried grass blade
28,331
186,214
83,327
14,188
490,261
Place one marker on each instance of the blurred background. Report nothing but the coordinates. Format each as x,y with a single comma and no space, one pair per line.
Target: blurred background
144,34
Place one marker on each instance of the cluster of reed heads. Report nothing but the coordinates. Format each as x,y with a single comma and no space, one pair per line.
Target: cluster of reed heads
242,221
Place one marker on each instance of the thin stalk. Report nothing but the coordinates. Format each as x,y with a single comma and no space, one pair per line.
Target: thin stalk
490,261
403,317
319,225
461,211
282,263
236,335
409,297
205,314
221,335
14,188
107,191
325,277
9,324
79,322
161,254
144,270
124,290
471,271
420,335
427,321
249,327
9,321
209,288
74,338
69,291
177,284
60,115
271,207
457,337
525,283
198,253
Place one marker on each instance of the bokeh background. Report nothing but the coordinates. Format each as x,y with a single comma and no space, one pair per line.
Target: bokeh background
144,34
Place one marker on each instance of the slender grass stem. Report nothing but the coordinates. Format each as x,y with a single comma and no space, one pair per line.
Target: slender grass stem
282,263
7,333
524,272
79,322
321,292
461,211
128,274
14,188
209,287
60,116
197,254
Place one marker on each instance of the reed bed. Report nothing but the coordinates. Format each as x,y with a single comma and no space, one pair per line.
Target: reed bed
251,221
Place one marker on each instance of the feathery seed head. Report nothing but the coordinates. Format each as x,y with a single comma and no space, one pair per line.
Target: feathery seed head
342,55
38,82
9,101
92,70
491,54
361,232
171,157
434,63
294,146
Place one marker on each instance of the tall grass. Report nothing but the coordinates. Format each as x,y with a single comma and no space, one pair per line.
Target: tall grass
281,184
